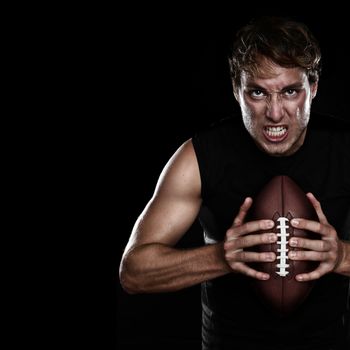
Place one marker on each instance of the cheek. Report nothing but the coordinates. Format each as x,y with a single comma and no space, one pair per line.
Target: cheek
251,114
252,110
303,111
302,117
299,109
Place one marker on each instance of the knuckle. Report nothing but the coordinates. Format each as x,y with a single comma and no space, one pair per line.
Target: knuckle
242,256
322,256
296,255
333,256
333,232
231,240
242,207
237,267
230,233
251,273
244,242
246,227
241,242
265,238
237,221
318,226
229,256
233,265
227,246
323,245
255,274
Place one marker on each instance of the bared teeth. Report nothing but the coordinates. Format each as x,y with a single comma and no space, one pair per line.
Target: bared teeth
275,131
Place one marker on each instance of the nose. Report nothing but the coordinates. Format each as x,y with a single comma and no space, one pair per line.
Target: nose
274,108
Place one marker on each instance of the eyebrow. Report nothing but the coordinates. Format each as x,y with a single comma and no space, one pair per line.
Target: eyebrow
291,86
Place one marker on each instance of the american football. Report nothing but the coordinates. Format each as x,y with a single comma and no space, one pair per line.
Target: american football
281,200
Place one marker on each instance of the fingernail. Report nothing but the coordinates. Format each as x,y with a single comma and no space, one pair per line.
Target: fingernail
293,242
269,224
271,257
299,278
272,237
295,222
292,254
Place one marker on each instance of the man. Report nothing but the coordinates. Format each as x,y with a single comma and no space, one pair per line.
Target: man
275,67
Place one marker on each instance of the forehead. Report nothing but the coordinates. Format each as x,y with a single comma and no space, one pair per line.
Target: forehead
274,77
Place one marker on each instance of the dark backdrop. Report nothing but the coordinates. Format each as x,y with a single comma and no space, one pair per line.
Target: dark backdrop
175,82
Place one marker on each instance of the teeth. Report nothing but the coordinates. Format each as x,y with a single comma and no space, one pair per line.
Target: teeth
276,131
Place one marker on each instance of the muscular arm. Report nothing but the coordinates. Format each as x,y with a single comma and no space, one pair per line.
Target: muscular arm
150,262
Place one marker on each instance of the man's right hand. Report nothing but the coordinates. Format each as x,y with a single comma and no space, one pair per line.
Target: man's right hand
240,236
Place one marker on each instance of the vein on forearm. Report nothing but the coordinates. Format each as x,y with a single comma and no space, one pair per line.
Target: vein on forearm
168,269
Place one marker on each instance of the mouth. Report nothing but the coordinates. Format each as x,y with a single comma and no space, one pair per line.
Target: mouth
275,133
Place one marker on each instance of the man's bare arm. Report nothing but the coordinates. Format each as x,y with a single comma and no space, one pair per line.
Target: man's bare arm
150,262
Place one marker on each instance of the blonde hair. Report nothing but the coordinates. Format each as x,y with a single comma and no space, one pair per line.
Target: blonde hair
284,42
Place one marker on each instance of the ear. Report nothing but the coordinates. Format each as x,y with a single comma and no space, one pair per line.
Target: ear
314,87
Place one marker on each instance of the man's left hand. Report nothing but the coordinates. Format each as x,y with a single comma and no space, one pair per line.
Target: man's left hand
330,251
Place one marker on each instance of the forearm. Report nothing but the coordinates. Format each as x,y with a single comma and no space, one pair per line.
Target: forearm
343,267
159,268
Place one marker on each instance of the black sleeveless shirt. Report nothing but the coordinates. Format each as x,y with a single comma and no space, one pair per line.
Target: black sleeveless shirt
232,167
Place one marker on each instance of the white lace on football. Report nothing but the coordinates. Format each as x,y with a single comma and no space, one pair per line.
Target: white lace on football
282,243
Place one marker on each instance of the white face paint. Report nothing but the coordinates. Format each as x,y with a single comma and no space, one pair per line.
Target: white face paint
276,108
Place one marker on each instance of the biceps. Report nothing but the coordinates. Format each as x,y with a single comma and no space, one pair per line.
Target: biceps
165,221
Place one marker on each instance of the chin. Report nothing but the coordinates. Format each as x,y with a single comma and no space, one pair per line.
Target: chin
277,150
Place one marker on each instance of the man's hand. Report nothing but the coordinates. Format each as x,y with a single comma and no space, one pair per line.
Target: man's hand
330,251
239,236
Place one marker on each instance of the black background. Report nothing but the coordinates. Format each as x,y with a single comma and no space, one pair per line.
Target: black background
174,81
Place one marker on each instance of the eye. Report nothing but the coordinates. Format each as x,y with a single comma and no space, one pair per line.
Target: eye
290,92
257,94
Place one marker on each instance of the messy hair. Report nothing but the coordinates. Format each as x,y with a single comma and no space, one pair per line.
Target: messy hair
277,40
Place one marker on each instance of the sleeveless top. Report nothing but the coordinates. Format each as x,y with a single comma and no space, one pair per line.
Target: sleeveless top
232,167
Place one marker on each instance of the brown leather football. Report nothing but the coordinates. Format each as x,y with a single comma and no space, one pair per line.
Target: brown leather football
282,200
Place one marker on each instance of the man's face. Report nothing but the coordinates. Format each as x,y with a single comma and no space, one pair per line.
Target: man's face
275,107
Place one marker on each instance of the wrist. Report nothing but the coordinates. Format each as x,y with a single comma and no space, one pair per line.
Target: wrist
343,262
